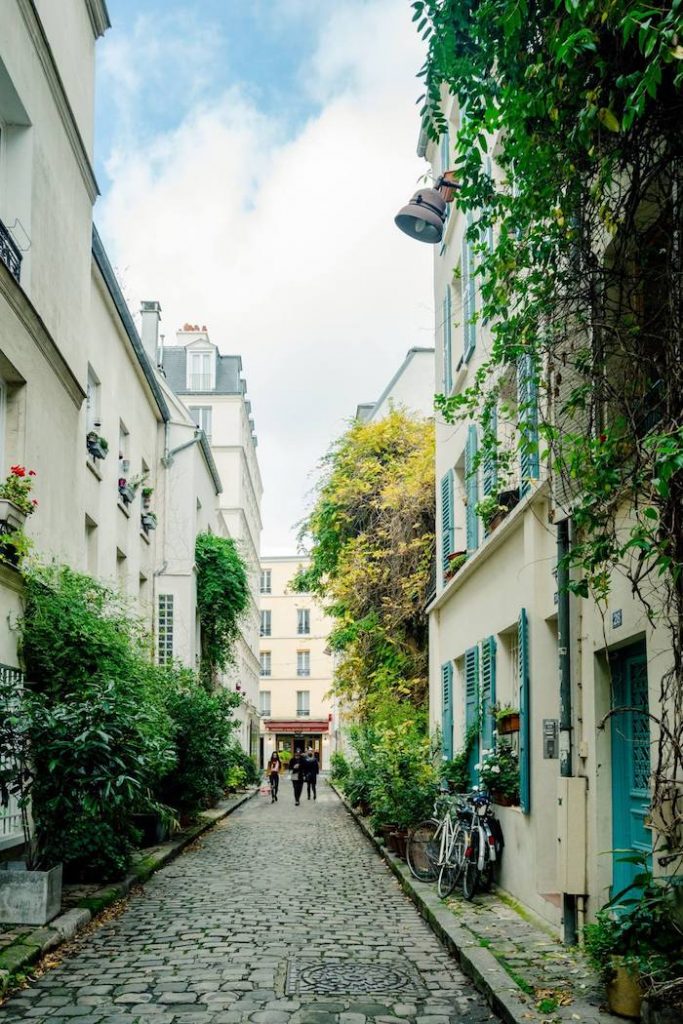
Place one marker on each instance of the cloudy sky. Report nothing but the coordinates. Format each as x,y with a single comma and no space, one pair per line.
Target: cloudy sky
251,158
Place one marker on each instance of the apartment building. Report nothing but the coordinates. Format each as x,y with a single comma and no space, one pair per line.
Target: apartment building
213,390
297,710
411,388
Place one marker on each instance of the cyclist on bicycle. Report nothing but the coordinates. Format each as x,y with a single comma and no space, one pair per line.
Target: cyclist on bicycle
274,766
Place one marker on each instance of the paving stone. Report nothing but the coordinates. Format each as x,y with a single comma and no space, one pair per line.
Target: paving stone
209,940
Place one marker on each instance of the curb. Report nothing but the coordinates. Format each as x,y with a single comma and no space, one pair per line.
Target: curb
32,946
504,997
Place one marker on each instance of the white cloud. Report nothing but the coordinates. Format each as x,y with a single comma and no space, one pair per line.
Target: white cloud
286,247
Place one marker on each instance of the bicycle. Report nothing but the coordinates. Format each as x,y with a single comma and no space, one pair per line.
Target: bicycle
435,849
482,847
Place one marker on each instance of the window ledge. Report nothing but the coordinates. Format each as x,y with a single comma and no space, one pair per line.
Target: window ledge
143,536
93,469
122,508
491,543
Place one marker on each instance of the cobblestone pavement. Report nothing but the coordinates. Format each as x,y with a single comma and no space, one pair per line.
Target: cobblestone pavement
281,915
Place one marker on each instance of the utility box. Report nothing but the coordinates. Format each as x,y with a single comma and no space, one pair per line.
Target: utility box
571,835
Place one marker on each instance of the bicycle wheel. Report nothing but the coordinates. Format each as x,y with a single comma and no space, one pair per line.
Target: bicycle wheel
457,851
470,874
448,879
422,852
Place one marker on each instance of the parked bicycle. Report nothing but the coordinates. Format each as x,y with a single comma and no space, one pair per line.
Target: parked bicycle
484,843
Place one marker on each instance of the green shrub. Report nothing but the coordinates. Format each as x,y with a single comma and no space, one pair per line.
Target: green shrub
203,724
242,770
339,769
222,597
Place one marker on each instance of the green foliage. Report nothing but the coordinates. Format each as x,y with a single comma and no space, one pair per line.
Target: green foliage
339,768
372,549
242,770
499,771
222,597
202,726
17,487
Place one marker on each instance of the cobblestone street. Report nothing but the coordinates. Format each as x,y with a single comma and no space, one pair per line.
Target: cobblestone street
282,914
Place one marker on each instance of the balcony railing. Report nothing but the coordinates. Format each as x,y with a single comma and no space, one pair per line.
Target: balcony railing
303,671
9,253
301,713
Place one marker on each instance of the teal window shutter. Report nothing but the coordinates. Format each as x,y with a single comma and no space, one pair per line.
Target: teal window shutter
472,709
488,690
527,403
447,710
472,489
447,525
447,342
469,293
524,714
490,461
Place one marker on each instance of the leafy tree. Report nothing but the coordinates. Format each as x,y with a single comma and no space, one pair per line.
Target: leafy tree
371,533
222,598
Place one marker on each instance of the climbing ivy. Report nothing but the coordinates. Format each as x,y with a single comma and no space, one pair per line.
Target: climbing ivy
222,598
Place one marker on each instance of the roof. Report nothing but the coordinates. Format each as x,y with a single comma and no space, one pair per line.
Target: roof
229,380
364,412
105,268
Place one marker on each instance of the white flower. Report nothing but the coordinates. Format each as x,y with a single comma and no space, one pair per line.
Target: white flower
495,769
477,767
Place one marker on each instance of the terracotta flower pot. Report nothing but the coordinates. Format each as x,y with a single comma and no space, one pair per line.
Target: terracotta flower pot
400,839
508,724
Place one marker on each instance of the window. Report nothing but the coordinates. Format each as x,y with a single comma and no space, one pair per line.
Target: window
266,662
303,663
91,546
201,367
447,335
444,165
201,414
303,703
264,702
92,402
524,715
265,587
165,629
303,623
266,626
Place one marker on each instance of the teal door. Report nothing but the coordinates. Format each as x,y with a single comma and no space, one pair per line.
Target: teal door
630,731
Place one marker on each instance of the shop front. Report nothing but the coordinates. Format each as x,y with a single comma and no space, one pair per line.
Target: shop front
290,737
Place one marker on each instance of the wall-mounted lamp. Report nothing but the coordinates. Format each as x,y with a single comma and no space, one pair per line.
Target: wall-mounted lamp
425,215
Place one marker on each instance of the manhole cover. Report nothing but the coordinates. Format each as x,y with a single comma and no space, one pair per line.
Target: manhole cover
351,977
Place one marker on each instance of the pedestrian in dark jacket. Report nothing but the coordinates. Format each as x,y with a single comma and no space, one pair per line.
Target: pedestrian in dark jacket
296,768
311,769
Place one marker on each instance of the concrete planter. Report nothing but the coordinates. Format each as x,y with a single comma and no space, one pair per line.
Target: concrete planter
29,897
624,995
11,515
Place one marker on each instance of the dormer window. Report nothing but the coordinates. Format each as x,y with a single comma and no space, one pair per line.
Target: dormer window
201,370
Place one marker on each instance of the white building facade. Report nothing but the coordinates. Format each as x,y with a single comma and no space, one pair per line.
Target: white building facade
411,389
297,710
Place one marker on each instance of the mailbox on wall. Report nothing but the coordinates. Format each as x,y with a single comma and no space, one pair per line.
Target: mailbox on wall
550,738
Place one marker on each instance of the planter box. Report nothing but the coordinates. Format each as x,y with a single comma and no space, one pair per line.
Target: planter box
505,726
29,897
148,522
502,800
624,995
127,494
11,515
96,450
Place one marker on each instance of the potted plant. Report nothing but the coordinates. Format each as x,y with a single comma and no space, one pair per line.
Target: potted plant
97,446
456,560
490,511
16,503
636,946
508,499
148,521
146,494
29,893
499,774
507,719
126,491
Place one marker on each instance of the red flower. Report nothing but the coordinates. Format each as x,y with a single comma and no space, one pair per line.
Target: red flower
18,470
31,472
35,503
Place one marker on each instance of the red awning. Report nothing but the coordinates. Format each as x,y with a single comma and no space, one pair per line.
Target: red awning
304,727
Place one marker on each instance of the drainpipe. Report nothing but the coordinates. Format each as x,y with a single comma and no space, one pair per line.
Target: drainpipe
569,914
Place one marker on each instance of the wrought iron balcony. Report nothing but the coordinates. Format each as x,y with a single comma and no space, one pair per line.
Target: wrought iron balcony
9,253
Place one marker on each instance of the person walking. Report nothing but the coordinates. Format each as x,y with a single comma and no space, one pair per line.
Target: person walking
274,766
311,769
296,768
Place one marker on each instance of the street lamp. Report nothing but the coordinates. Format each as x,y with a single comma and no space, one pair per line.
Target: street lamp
425,215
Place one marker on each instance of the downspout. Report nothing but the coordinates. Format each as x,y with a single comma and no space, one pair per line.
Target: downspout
569,910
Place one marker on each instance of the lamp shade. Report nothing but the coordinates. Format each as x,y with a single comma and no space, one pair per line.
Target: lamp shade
424,216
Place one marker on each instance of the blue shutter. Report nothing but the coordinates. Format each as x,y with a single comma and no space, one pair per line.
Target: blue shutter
472,489
472,708
446,519
524,714
447,710
490,462
488,690
527,402
447,342
469,293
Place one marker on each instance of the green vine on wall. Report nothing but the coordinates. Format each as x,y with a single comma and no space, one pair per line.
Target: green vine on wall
222,598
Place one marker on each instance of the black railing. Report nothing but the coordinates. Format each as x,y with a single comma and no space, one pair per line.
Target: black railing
9,253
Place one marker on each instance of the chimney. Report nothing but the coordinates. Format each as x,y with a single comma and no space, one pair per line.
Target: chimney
150,313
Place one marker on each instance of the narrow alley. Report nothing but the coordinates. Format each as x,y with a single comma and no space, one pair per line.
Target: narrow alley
282,914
